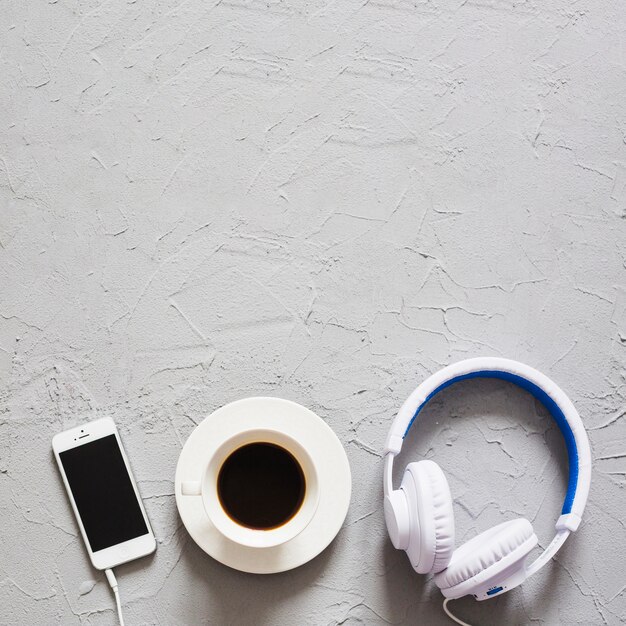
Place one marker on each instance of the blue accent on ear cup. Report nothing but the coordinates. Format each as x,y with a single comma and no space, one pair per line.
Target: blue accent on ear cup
546,400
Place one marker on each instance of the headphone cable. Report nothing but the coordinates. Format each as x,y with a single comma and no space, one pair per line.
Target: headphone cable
113,584
449,614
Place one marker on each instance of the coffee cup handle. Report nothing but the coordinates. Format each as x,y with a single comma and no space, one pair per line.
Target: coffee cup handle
191,488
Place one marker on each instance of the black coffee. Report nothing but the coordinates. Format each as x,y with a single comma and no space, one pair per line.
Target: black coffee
261,486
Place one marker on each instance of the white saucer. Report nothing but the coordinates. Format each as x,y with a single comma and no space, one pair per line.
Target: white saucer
323,446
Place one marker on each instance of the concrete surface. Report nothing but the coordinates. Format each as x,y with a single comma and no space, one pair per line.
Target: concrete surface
323,201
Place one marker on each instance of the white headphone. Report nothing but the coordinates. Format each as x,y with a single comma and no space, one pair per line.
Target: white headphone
419,515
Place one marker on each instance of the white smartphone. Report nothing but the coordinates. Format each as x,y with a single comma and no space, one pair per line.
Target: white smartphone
103,493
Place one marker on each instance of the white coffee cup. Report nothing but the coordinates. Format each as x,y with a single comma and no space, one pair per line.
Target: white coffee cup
207,489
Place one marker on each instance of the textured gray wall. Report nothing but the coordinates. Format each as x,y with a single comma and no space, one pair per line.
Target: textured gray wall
324,202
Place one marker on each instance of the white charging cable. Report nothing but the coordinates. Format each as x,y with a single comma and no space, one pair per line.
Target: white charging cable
113,583
449,614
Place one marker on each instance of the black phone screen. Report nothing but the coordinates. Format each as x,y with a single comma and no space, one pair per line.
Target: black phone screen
103,493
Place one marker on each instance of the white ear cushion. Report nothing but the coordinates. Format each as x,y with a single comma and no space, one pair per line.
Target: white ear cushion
434,503
483,551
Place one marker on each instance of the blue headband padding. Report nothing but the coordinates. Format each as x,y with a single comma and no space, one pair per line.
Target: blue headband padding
546,400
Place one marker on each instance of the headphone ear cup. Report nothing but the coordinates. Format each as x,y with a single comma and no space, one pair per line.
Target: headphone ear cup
397,519
486,556
431,540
